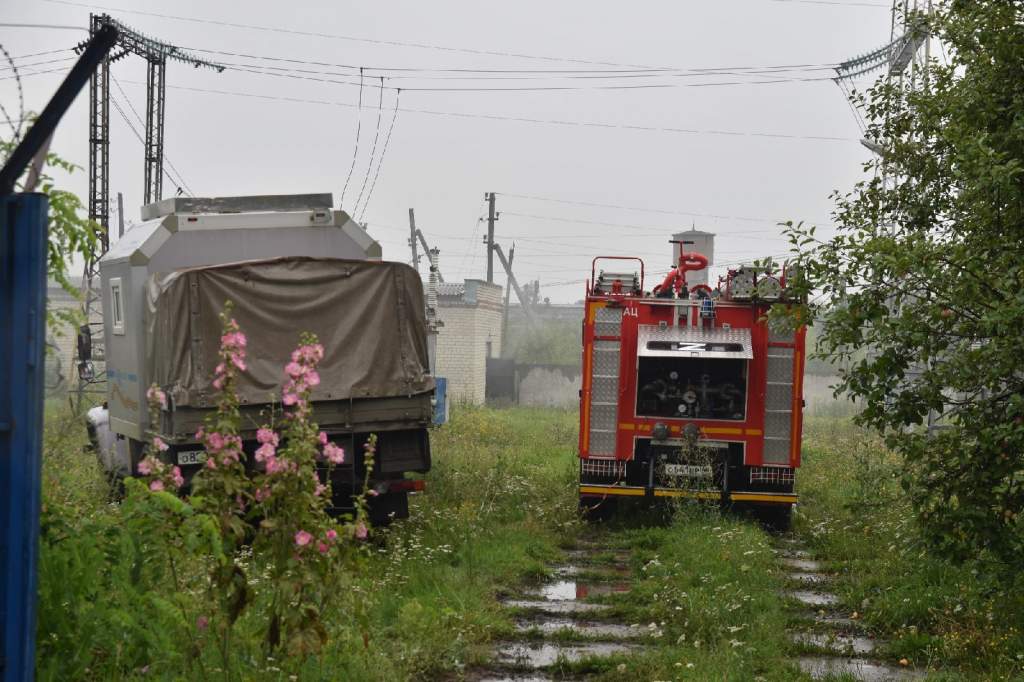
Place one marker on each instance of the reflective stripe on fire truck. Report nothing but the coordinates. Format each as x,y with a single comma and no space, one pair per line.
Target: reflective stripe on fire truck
634,491
778,498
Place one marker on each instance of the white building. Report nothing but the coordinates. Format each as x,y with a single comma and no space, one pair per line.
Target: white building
470,314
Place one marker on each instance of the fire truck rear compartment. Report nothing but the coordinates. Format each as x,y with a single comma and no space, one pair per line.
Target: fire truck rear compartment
692,387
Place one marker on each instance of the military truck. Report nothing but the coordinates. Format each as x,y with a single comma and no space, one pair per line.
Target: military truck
288,264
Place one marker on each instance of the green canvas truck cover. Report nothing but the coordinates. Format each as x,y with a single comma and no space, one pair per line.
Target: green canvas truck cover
368,315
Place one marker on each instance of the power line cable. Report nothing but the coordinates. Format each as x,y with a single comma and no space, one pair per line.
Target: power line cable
373,148
335,36
536,88
35,64
472,70
180,182
355,151
511,74
383,153
138,135
519,119
837,3
46,26
35,73
41,54
644,209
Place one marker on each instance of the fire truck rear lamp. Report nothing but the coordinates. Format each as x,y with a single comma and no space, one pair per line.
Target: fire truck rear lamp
406,486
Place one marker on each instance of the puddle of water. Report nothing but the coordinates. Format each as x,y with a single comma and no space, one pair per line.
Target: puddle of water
557,607
832,620
597,555
544,654
563,590
812,598
581,628
792,553
808,578
801,564
843,644
866,671
613,570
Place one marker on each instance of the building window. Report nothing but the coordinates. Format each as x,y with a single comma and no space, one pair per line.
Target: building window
116,306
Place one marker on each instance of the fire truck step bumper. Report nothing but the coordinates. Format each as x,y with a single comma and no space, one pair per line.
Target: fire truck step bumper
590,490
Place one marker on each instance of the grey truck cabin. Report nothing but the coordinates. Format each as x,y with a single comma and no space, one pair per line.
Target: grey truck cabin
288,264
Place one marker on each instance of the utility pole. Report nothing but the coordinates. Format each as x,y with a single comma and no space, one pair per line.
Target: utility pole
491,217
120,215
508,294
523,301
412,240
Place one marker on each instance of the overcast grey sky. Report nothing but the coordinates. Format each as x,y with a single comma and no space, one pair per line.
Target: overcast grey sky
737,184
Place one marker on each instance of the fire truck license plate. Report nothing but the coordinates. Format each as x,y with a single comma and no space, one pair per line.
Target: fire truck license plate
191,456
689,470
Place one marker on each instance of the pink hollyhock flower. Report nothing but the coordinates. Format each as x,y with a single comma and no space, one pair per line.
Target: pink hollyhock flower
238,360
146,467
289,398
275,466
218,383
322,547
312,378
200,432
177,478
319,489
234,338
335,454
215,442
294,369
156,397
156,485
159,444
261,494
332,535
202,622
361,531
302,538
372,492
210,464
323,438
265,451
267,436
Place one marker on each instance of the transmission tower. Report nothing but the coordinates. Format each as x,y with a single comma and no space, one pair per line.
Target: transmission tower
89,349
905,58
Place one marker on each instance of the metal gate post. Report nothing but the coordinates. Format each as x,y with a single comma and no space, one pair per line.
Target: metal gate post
23,252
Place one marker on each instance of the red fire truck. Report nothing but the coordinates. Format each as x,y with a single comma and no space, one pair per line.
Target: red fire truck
687,391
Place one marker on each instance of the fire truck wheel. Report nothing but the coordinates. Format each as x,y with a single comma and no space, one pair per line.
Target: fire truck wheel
597,509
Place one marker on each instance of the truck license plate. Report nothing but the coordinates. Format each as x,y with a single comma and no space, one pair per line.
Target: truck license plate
689,470
191,456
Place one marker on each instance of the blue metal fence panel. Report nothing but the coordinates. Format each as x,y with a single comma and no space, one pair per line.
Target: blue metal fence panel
440,400
23,251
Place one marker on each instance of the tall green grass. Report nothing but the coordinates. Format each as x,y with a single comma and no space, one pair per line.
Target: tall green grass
418,601
855,515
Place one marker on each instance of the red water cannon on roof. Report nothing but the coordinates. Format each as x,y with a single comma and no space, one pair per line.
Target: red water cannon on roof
675,282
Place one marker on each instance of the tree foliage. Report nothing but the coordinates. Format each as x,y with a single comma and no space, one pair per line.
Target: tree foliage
71,233
927,272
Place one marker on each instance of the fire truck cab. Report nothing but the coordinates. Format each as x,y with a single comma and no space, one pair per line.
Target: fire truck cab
687,391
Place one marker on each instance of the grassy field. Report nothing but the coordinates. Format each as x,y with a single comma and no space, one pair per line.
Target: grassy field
421,600
855,517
